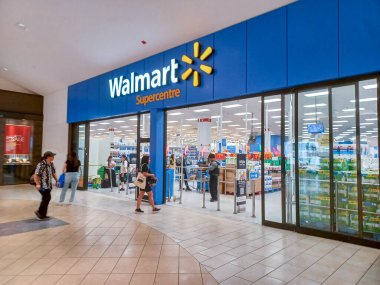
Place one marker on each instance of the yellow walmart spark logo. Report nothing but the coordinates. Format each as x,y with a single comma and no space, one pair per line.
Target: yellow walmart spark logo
205,68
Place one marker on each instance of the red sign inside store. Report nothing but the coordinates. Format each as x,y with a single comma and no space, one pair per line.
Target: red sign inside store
17,139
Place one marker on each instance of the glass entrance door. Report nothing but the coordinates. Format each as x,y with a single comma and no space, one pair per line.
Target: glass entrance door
79,144
143,144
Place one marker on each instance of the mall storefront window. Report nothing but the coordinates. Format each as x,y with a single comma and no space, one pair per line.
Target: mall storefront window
319,152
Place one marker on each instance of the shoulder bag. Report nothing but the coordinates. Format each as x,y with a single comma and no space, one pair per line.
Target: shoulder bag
140,180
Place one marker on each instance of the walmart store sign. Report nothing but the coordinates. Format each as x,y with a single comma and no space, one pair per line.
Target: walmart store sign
134,83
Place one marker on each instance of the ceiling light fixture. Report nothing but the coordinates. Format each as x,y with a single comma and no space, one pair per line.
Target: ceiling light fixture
232,106
370,86
314,105
242,114
201,110
352,110
365,100
314,94
175,114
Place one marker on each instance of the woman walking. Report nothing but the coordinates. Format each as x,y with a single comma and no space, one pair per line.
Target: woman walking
72,174
150,180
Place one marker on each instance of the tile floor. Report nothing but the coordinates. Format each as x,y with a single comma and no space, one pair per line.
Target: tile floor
106,243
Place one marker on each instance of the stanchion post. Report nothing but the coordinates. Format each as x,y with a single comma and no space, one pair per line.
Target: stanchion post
253,200
218,193
235,206
203,192
180,193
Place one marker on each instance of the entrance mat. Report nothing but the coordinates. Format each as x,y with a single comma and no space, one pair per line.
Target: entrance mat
23,226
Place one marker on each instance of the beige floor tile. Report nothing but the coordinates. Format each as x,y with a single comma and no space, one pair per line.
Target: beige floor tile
168,240
119,279
18,266
151,251
303,260
142,279
89,240
58,251
104,266
332,261
218,260
286,272
39,267
166,279
349,272
188,265
114,251
338,281
255,272
303,281
71,279
46,280
77,251
122,240
267,250
275,260
168,265
95,279
241,250
133,250
235,281
201,257
208,279
216,250
170,250
5,278
317,272
114,231
22,280
5,262
190,279
62,265
96,251
126,265
147,265
226,271
83,266
183,252
247,260
269,281
105,240
98,231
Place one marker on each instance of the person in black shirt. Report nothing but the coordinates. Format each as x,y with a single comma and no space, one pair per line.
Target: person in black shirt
150,181
72,174
213,170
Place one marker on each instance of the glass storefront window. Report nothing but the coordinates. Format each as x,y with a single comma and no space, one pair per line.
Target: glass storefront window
345,159
272,158
313,159
369,155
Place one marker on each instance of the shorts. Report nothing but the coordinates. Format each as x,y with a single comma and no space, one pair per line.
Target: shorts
147,189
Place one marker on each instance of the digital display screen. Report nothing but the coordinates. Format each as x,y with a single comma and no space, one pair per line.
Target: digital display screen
315,128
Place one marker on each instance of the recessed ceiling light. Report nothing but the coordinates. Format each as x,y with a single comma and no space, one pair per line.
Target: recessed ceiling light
105,123
170,122
370,86
242,114
133,119
226,122
192,119
119,121
5,69
352,110
232,106
365,100
314,94
314,105
271,100
201,110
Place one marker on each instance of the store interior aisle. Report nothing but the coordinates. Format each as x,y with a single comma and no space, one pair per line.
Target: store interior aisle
234,252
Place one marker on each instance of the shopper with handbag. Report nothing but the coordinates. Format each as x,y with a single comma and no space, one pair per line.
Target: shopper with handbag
149,181
72,175
124,174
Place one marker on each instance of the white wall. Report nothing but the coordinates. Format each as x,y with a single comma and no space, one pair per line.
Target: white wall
10,86
55,130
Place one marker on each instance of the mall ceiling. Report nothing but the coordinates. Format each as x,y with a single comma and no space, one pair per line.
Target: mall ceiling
47,45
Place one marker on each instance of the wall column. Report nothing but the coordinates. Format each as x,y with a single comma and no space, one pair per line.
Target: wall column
157,152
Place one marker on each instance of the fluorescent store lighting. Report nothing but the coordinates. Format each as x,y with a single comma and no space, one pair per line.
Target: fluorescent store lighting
117,131
273,110
233,125
124,127
254,124
92,130
175,114
226,122
313,113
171,122
192,119
215,117
366,123
242,114
346,116
352,110
119,121
93,125
310,119
271,100
335,122
365,100
240,128
337,125
214,127
100,129
314,94
104,123
370,86
371,119
232,106
133,119
314,105
186,125
201,110
251,119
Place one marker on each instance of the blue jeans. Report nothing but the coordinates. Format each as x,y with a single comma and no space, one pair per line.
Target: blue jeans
73,179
